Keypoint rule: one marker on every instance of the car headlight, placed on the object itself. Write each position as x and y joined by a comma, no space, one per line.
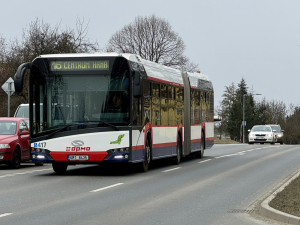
251,135
4,146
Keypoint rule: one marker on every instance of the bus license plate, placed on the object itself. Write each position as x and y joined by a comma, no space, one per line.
78,157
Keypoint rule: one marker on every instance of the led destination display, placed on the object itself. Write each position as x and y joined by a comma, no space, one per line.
91,65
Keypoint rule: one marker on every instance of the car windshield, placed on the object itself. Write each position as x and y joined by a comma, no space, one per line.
22,111
262,128
8,127
276,128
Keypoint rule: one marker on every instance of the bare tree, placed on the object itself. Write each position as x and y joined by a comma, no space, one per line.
2,49
39,38
153,39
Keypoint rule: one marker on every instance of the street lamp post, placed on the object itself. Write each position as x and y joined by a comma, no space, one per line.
244,122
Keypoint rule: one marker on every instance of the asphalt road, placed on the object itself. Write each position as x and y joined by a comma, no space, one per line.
222,188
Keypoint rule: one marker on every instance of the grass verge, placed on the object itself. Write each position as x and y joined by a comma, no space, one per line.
288,200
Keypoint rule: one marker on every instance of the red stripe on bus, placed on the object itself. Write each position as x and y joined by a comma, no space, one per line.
164,145
209,139
196,140
93,156
139,147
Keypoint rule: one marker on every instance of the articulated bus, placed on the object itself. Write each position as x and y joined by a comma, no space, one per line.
118,108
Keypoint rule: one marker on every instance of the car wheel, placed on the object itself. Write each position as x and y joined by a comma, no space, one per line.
16,160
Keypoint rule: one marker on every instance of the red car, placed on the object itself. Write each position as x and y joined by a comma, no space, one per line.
14,141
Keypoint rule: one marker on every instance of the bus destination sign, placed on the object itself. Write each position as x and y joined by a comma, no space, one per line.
90,65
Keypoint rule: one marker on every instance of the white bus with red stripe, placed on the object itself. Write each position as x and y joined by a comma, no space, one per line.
109,107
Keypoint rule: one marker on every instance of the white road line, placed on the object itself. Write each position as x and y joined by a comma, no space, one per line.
104,188
165,171
240,153
5,214
204,161
32,171
223,156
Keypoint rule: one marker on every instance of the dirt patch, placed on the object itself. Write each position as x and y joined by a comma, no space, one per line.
288,200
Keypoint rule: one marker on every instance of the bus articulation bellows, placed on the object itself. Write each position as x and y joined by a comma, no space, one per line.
91,108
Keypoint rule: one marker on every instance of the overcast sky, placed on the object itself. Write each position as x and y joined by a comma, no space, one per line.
258,40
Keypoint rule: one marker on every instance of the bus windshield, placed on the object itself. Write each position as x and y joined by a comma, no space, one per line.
81,97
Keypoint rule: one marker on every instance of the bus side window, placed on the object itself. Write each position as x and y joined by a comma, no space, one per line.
146,104
171,106
155,112
164,104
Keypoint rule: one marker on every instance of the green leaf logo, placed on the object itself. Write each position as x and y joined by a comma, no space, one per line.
119,139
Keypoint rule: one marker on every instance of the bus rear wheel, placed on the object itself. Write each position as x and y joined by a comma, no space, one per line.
59,167
200,153
176,160
147,156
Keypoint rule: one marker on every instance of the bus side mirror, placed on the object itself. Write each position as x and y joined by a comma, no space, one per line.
136,84
19,76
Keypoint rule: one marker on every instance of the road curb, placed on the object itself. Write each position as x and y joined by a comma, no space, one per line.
267,211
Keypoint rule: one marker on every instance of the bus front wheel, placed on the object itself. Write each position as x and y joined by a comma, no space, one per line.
59,167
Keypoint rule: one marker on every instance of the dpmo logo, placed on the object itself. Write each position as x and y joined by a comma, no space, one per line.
78,146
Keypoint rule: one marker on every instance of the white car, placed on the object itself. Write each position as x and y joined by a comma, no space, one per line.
262,134
278,132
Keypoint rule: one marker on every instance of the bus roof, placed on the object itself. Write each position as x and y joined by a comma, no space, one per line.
154,71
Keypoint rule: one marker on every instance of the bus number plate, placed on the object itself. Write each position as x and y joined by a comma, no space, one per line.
78,157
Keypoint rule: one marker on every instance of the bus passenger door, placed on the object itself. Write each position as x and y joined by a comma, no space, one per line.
187,115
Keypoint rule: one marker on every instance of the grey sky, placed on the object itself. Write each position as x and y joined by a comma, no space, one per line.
258,40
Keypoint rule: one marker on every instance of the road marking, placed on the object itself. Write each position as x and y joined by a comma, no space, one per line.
165,171
204,161
104,188
235,154
32,171
5,214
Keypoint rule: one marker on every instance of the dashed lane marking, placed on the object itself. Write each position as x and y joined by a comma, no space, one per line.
32,171
165,171
107,187
205,161
5,214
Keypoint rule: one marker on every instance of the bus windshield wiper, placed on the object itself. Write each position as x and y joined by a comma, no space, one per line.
59,130
108,124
